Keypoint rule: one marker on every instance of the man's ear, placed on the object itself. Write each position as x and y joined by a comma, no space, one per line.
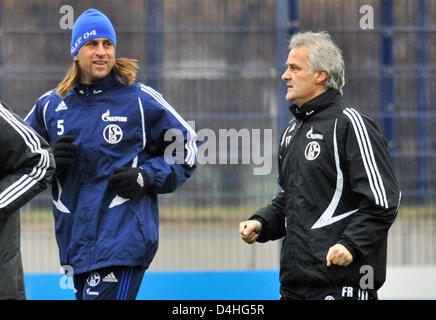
321,76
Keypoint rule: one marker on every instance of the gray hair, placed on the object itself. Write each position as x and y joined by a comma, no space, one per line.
323,55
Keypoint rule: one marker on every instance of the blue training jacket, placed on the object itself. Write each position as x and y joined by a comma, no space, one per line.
116,126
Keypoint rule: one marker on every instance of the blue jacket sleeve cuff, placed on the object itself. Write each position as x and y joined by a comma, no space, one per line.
150,174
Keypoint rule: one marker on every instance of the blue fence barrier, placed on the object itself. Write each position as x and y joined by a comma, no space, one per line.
214,285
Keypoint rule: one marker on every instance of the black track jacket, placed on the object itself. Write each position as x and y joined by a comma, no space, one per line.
26,168
338,187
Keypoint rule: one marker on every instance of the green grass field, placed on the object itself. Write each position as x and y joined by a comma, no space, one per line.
230,214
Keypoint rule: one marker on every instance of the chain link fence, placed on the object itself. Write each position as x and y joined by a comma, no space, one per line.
219,62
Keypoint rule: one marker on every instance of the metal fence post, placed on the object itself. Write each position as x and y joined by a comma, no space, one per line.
422,107
287,25
1,52
386,76
155,43
284,10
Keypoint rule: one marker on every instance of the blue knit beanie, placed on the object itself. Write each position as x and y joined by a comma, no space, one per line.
89,25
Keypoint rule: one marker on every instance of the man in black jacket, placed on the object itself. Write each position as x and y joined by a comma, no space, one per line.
339,192
26,168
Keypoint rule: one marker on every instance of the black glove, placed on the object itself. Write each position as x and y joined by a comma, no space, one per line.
64,151
129,182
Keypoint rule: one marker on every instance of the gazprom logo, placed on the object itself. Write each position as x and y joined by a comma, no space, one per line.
107,117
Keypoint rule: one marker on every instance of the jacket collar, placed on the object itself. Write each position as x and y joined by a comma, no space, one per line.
97,87
315,105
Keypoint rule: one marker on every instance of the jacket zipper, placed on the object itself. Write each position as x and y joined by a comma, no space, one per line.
292,164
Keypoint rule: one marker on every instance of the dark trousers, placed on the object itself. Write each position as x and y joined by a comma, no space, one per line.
111,283
327,293
11,267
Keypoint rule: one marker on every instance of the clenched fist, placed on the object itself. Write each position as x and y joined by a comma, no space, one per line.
339,255
249,230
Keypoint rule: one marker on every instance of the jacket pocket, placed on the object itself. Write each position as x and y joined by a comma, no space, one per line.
148,231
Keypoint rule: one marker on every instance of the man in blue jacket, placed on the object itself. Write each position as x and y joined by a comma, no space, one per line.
107,133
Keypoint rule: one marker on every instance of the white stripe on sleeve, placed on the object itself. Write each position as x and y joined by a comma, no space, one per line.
144,139
38,172
33,108
191,146
366,151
